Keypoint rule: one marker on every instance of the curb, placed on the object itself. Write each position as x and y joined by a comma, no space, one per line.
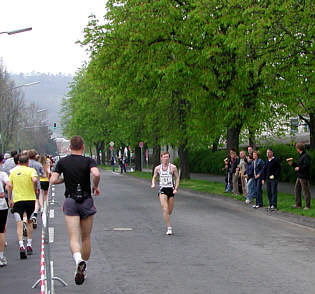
299,220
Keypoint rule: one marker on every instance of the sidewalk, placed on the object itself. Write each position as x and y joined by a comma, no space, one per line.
282,186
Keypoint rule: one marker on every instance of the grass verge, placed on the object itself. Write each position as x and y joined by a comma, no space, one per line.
285,201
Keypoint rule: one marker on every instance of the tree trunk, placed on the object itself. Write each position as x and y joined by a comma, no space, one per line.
138,158
98,158
215,144
233,136
183,161
156,157
252,138
312,131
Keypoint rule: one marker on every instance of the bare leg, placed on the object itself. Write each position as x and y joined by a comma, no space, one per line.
86,228
19,230
73,228
164,204
170,205
2,241
29,229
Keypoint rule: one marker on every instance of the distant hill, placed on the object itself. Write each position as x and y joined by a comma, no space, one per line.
47,94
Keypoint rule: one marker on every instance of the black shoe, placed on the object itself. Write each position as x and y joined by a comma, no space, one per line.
29,250
80,273
22,253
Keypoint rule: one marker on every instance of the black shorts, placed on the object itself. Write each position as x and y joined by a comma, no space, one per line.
3,219
83,210
44,186
24,206
167,191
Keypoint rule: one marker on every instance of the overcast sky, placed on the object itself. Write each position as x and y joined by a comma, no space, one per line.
50,47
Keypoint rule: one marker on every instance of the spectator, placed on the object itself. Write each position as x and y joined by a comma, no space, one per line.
9,163
271,174
241,169
250,150
112,162
250,181
302,169
258,170
233,170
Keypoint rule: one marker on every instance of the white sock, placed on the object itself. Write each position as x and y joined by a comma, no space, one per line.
77,257
29,242
21,244
1,254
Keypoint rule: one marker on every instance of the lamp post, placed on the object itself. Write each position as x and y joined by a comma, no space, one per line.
1,118
16,31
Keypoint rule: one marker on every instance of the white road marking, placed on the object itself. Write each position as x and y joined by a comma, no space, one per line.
52,213
118,229
51,232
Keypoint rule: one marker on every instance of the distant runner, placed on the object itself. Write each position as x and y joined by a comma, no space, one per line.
166,172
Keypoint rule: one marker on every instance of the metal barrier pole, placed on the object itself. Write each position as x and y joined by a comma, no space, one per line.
46,249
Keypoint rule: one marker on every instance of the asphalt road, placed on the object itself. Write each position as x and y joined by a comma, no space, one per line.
218,246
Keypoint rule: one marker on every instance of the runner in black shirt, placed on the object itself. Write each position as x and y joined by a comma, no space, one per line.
78,206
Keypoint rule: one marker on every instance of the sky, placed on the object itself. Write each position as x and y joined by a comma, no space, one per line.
50,46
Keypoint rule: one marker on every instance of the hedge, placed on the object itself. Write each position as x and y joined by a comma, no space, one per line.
206,161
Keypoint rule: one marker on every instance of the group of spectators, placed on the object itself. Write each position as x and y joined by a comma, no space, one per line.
247,173
24,186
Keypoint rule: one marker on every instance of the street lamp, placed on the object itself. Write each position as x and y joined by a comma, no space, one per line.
24,85
1,118
16,31
42,110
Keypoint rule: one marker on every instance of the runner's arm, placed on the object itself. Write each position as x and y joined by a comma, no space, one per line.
176,174
96,179
154,177
55,179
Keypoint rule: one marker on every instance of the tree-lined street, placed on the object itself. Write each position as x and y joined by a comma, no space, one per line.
218,246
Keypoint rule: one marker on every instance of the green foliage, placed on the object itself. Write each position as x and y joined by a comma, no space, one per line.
182,72
206,161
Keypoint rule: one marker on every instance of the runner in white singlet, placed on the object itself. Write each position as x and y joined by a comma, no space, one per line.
166,172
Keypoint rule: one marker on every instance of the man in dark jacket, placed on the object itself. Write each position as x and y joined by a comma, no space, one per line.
271,176
302,169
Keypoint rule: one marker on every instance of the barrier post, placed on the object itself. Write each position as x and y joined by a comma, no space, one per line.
46,277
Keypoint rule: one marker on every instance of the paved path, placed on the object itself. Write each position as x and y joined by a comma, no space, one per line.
220,246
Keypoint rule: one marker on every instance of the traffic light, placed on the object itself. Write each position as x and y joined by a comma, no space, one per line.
55,126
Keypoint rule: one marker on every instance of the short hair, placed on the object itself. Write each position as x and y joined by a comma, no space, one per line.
16,158
23,159
300,146
250,156
270,149
76,143
32,154
164,153
13,153
257,152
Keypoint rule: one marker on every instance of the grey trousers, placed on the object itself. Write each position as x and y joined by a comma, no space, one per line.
302,184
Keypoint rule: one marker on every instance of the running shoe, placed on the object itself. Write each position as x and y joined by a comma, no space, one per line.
169,231
22,253
34,221
29,250
3,261
80,273
24,229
